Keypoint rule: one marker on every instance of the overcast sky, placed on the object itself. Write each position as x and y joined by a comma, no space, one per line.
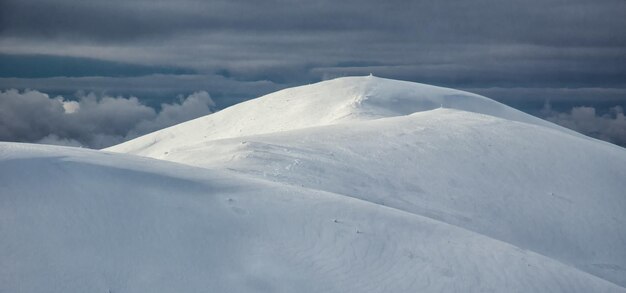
571,53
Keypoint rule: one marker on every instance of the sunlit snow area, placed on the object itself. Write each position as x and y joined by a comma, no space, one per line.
356,184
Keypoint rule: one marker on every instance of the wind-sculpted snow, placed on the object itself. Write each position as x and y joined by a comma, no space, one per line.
445,154
330,102
85,221
349,185
537,188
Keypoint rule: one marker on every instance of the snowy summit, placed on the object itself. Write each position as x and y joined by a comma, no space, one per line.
357,184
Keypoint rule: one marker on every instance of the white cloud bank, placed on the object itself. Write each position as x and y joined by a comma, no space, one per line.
610,127
101,121
90,121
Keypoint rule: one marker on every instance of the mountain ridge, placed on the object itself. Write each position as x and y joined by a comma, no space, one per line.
351,185
326,103
396,134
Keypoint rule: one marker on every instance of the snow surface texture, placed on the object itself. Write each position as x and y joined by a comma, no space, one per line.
356,184
331,102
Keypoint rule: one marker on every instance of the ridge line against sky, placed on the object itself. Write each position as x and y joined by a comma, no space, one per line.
571,54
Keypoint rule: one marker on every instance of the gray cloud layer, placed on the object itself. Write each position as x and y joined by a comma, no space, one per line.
456,43
90,121
152,89
562,22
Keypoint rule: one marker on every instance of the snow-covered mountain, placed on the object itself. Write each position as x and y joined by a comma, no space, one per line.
342,100
356,184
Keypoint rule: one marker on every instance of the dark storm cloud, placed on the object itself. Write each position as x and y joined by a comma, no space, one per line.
128,20
38,66
478,43
548,22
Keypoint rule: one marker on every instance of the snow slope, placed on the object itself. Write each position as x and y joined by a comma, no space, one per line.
475,163
330,102
350,185
77,220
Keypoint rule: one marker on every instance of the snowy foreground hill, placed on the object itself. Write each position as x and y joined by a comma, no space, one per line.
356,184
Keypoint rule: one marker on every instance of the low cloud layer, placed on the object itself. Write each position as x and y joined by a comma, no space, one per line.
90,120
152,90
98,121
610,126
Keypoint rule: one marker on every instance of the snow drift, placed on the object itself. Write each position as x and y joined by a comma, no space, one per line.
356,184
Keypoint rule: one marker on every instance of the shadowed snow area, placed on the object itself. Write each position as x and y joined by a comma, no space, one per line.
356,184
85,221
